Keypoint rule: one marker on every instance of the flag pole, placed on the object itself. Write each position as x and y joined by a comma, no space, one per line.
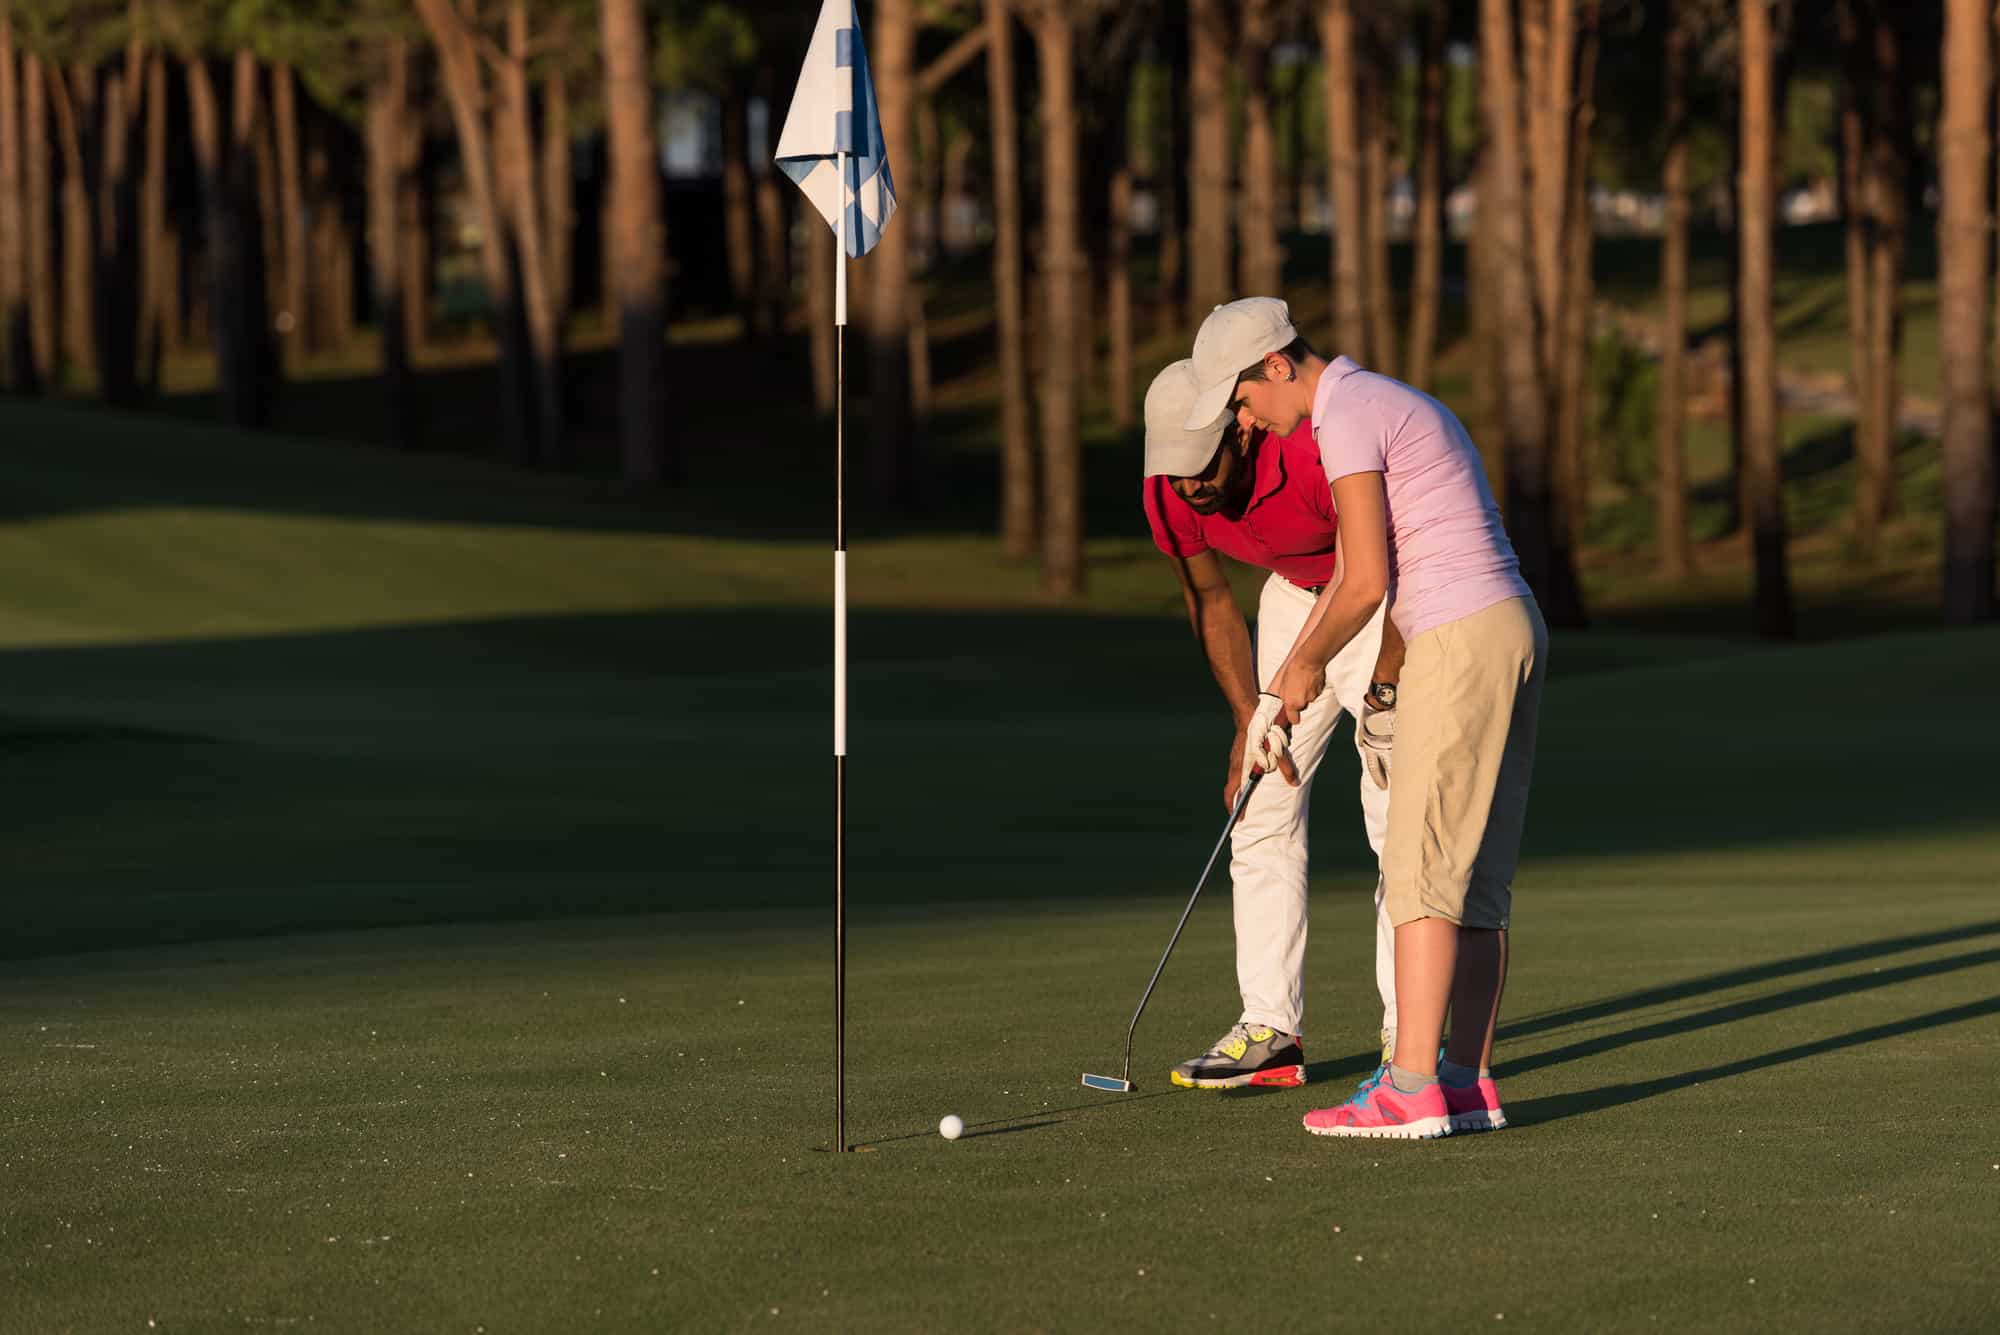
840,669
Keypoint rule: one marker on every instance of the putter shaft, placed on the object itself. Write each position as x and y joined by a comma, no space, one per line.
1235,814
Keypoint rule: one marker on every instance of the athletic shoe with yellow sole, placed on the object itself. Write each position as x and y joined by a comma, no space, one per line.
1249,1054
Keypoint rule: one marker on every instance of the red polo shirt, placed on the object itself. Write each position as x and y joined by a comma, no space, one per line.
1288,527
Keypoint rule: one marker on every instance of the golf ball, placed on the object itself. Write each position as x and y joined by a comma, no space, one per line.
952,1126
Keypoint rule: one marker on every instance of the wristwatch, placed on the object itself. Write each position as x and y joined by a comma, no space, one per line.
1383,693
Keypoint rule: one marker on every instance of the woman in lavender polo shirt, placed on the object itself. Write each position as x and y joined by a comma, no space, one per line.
1418,525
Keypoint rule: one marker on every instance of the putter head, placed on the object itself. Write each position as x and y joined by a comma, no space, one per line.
1107,1082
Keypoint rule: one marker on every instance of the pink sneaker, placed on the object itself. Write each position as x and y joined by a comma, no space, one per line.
1474,1107
1381,1111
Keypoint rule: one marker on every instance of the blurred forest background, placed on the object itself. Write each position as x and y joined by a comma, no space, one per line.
1710,280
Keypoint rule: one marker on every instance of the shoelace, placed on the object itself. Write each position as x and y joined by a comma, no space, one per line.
1235,1031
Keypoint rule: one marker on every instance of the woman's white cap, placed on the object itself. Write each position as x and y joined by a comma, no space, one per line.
1234,338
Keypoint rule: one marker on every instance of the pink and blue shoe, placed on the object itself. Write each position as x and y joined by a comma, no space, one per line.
1474,1107
1380,1111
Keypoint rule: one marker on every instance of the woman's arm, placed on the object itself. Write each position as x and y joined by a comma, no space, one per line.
1344,609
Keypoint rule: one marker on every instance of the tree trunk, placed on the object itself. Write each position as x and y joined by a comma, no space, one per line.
465,90
267,211
295,315
248,165
1964,316
114,275
1858,218
1573,364
1257,270
1292,202
1888,168
1175,303
1062,454
169,302
386,131
774,276
1344,173
1525,432
1380,296
154,295
892,459
1118,296
415,245
523,199
72,105
922,246
318,232
774,197
1209,156
1427,277
1763,479
14,331
1017,456
221,245
40,238
638,238
739,229
821,258
1482,313
1671,499
558,185
1548,48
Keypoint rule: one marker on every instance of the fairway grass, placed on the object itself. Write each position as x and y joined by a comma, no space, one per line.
1757,1104
417,897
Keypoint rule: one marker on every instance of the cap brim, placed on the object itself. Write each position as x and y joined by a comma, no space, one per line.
1210,405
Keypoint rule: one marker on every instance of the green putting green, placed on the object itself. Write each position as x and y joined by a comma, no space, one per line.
418,919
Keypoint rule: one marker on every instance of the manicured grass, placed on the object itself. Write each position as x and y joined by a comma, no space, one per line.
418,889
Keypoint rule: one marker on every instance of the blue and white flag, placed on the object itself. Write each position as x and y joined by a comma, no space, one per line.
833,112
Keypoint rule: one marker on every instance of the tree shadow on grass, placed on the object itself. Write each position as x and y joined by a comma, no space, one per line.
1557,1106
1729,978
1752,1008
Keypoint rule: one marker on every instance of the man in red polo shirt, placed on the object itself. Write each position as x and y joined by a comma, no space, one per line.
1264,500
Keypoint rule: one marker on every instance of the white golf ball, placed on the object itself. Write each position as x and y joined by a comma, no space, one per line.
952,1126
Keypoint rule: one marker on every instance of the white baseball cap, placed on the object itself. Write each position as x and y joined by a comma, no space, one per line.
1234,338
1171,448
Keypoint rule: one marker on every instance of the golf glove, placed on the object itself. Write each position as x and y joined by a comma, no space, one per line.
1375,730
1264,738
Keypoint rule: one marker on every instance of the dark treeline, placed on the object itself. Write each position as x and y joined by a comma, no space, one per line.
259,177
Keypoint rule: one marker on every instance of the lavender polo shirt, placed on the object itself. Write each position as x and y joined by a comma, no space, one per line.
1449,555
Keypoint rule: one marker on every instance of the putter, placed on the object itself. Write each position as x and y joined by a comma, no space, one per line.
1123,1084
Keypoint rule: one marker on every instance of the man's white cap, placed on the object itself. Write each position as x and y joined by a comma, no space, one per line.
1171,448
1234,338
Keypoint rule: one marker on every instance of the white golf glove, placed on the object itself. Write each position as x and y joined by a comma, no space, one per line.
1264,739
1375,730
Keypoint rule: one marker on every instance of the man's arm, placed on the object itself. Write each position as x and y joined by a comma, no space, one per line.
1220,629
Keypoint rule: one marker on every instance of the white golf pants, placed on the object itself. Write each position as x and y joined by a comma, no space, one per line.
1268,849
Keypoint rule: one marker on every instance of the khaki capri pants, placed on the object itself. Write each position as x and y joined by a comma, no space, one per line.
1467,709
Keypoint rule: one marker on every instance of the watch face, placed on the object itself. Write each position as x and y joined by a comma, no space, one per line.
1384,693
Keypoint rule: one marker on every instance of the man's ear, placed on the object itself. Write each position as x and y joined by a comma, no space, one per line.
1277,367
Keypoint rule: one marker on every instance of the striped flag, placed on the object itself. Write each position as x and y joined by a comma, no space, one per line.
833,112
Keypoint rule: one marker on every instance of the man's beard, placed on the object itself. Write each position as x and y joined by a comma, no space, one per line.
1207,501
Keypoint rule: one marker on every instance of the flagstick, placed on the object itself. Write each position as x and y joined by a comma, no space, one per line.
840,670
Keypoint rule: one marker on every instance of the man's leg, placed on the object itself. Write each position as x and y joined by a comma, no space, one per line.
1268,868
1269,847
1348,677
